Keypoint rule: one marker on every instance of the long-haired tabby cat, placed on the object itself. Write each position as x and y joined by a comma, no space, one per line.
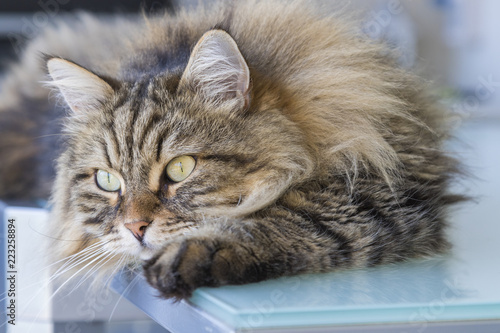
225,145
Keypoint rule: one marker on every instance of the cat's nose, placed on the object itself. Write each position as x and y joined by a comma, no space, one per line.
137,228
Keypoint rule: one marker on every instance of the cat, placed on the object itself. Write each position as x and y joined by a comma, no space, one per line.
226,144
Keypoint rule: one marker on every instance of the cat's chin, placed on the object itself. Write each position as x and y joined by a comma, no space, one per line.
147,254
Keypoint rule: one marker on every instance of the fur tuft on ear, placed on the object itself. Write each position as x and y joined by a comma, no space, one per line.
81,89
217,69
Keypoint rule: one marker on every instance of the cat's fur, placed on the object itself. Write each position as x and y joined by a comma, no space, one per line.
320,154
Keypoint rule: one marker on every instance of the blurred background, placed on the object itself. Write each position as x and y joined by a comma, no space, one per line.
453,43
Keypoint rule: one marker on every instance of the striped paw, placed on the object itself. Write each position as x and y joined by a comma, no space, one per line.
182,266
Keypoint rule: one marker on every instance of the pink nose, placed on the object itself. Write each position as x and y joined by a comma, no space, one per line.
138,229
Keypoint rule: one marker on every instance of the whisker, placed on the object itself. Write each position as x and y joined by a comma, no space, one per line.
72,257
55,276
118,266
77,261
65,282
55,134
81,261
127,289
52,264
100,256
60,239
63,269
94,269
84,252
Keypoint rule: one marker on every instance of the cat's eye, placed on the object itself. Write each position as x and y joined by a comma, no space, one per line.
107,181
180,168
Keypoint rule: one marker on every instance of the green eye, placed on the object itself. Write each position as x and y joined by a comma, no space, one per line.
107,181
180,168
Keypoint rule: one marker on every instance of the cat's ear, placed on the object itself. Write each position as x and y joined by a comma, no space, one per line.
217,69
82,89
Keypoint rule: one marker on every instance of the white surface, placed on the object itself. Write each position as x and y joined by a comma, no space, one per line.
31,292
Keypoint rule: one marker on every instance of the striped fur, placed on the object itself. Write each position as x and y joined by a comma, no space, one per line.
327,155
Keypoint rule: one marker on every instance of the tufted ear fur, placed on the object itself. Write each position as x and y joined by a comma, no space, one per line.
217,69
81,89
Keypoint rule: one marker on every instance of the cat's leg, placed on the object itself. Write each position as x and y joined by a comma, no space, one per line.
238,252
311,233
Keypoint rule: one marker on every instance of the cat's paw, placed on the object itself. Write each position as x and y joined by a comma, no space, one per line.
184,265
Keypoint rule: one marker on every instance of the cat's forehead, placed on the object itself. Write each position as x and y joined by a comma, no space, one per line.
140,131
147,89
147,105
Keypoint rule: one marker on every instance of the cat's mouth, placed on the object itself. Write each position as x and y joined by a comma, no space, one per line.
147,247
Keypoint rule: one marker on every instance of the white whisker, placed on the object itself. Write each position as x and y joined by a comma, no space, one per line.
75,264
92,270
122,260
99,257
130,285
68,259
55,276
82,252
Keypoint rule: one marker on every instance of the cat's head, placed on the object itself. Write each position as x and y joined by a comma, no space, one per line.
148,160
